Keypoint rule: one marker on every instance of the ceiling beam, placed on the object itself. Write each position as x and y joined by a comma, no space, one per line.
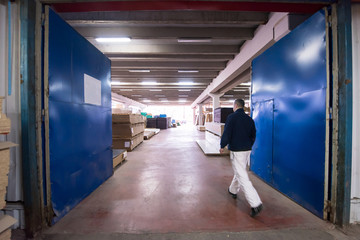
169,49
170,57
167,32
168,65
118,98
257,5
263,39
165,17
245,76
167,80
156,87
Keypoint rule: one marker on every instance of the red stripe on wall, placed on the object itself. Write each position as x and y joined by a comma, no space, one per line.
187,5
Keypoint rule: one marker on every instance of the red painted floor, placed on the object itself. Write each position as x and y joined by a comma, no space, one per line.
168,185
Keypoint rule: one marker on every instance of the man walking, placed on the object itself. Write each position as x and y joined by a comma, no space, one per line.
239,134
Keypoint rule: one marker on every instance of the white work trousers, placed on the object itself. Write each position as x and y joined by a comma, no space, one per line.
241,180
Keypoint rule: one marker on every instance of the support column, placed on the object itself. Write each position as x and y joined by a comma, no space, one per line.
342,104
216,102
29,125
345,112
201,114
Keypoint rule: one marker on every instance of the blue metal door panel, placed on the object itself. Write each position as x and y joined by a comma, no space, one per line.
263,115
293,73
80,134
299,148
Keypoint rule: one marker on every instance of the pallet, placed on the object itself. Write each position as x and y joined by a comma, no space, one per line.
119,156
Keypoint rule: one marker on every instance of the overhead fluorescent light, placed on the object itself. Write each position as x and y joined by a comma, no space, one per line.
183,95
188,71
113,40
182,100
146,100
115,83
185,83
241,90
139,70
184,90
149,83
126,90
228,95
136,95
164,101
155,90
194,40
245,84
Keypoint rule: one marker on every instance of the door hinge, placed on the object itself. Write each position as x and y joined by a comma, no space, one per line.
330,113
43,115
329,20
42,19
327,207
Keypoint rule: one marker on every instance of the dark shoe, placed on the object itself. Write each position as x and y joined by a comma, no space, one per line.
255,211
234,196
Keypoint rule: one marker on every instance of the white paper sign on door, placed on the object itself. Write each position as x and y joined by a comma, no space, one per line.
92,90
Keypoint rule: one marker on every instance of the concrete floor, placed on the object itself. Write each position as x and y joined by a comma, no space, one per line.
168,189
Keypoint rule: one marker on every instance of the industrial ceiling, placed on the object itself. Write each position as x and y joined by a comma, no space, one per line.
171,55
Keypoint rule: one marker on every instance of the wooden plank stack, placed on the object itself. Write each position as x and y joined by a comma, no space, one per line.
128,131
150,132
119,156
5,123
5,221
211,144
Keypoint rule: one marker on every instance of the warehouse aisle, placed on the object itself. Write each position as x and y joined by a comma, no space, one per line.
167,185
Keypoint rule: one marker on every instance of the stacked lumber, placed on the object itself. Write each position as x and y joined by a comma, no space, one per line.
5,221
150,132
119,156
5,123
128,131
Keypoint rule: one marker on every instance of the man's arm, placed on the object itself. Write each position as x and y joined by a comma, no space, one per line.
226,134
253,133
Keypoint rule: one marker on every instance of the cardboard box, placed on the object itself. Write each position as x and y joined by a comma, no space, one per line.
201,128
4,169
127,130
216,128
6,222
128,118
128,144
5,123
119,155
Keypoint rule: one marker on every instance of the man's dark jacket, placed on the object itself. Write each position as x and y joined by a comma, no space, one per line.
239,132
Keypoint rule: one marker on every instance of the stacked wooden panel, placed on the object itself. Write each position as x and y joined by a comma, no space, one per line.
128,130
5,123
119,156
5,221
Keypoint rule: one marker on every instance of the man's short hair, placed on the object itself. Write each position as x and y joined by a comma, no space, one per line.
240,103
